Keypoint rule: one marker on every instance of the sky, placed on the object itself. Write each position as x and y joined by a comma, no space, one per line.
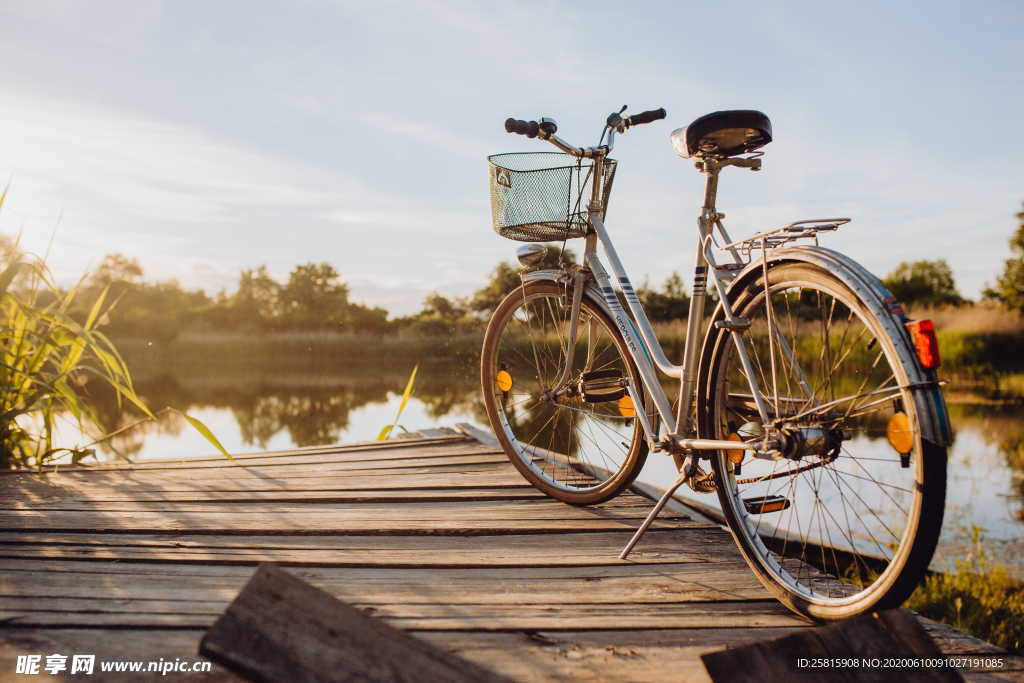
204,138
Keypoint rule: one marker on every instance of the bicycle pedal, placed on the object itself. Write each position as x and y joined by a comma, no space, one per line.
600,386
762,504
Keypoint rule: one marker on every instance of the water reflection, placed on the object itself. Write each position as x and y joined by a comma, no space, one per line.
989,446
305,409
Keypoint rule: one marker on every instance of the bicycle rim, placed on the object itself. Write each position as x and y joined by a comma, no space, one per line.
851,524
577,450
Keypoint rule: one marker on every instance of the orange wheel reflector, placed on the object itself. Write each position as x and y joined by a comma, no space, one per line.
735,456
504,380
626,407
900,436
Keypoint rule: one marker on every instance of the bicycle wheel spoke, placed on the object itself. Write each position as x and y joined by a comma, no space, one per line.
827,519
567,445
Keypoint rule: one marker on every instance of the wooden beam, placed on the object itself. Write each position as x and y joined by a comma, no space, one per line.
280,628
871,647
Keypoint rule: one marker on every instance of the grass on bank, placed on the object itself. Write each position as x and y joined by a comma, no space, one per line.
979,597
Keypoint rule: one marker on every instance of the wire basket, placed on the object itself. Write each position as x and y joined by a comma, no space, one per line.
543,196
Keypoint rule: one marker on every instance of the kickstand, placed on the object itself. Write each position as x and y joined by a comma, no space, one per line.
654,512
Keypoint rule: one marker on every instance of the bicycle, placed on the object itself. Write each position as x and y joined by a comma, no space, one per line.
813,397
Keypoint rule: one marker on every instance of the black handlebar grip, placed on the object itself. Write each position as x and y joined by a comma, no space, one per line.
645,117
527,128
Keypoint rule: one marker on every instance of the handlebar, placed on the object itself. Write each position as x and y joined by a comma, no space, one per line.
546,128
644,117
531,128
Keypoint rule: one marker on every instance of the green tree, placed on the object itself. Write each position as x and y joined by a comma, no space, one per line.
258,298
505,277
116,271
361,318
157,311
1009,287
314,297
153,311
116,268
924,283
9,249
439,306
671,303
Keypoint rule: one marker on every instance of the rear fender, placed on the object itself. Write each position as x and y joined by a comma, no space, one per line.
931,408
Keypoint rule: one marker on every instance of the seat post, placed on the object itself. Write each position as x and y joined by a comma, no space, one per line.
710,167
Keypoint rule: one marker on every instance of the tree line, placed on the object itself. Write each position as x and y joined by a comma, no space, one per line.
314,297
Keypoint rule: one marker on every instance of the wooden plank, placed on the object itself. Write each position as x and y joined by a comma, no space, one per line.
280,628
572,615
530,550
540,507
100,501
272,469
31,584
599,656
313,525
882,635
378,448
438,432
244,482
471,517
109,500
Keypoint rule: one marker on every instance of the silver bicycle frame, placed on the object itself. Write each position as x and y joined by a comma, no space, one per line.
649,357
639,335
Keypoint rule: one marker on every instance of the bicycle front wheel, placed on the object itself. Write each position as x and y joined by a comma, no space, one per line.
847,517
571,433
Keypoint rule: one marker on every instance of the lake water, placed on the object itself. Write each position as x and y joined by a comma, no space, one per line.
266,407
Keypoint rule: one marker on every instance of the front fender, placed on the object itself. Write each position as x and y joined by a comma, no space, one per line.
931,408
561,277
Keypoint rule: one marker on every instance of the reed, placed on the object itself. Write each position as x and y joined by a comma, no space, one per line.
47,356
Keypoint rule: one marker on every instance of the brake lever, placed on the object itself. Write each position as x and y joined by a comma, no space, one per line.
614,120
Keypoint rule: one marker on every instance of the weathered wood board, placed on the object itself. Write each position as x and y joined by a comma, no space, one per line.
437,536
281,628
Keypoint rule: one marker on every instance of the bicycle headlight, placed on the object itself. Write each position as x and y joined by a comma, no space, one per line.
678,138
531,254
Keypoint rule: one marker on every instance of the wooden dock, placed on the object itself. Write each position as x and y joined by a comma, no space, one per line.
437,535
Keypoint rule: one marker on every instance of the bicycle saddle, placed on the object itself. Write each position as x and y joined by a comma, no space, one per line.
723,133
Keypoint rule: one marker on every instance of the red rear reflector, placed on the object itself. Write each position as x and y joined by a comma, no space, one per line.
925,343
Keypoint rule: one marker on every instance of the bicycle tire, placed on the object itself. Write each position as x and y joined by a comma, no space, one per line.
831,564
576,451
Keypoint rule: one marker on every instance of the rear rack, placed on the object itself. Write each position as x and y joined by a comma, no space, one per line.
805,229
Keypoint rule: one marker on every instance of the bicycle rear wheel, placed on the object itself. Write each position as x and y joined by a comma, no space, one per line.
576,440
847,519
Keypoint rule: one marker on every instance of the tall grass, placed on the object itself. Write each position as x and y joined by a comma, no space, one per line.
46,358
979,597
985,318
